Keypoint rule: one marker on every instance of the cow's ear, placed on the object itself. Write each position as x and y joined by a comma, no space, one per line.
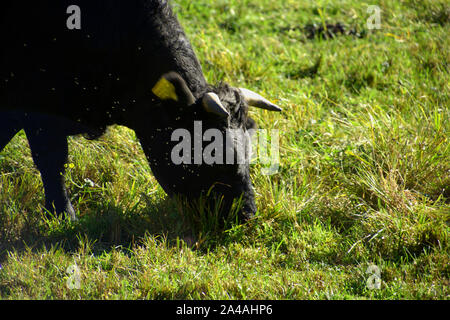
171,86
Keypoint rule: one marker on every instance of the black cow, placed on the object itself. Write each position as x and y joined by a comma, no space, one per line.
127,63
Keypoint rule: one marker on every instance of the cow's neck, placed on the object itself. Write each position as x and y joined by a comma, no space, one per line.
173,47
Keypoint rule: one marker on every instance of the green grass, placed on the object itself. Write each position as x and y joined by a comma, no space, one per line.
364,175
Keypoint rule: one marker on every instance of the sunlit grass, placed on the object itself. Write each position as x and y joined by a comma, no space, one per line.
363,178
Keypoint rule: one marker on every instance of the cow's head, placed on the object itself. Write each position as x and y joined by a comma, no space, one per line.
198,146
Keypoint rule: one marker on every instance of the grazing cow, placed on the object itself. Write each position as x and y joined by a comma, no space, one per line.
78,66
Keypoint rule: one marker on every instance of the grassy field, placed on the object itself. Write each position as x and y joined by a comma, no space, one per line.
362,190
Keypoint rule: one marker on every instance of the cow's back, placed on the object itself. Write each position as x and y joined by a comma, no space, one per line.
120,51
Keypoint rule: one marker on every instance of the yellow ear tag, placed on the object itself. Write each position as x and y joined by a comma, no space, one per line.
165,90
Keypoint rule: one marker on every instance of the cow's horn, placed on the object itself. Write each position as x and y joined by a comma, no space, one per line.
255,100
211,103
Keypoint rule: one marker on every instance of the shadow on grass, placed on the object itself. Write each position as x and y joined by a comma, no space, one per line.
108,227
104,227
